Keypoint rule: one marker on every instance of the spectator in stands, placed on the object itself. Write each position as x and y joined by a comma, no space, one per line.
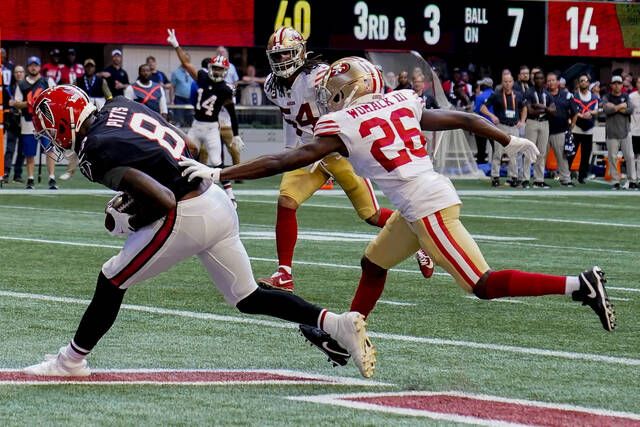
182,82
391,81
447,85
420,88
485,87
634,98
522,85
116,77
587,105
403,81
251,87
98,90
12,125
461,99
51,70
618,109
7,68
534,70
26,93
539,107
147,92
158,76
509,113
627,83
560,124
71,71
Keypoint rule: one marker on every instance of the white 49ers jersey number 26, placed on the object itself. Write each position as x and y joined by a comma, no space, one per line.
385,144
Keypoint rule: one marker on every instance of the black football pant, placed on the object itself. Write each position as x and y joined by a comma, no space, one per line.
586,142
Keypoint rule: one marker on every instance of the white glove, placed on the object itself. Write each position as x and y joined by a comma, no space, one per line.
195,169
522,145
121,222
238,143
172,39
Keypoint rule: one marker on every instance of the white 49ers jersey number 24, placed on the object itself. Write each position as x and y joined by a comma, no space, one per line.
385,144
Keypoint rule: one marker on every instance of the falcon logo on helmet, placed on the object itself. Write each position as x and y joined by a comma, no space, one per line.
218,68
58,114
286,51
351,80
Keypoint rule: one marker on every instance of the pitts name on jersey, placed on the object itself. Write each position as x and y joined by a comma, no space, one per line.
375,105
117,117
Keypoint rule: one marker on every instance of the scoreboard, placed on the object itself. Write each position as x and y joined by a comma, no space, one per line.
437,26
475,27
593,29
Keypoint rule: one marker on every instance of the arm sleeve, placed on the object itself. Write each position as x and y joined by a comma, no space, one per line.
231,109
113,177
163,101
128,92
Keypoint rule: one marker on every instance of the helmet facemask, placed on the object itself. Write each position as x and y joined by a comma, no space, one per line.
285,61
217,74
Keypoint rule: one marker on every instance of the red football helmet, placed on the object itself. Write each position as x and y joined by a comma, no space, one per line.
58,113
218,68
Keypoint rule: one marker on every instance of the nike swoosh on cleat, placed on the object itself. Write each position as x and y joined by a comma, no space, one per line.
591,294
330,350
284,282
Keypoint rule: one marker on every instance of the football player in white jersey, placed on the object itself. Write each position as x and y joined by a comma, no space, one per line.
381,136
292,86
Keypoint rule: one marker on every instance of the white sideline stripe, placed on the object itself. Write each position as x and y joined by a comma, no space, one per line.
403,304
260,259
332,193
392,337
337,401
619,299
340,399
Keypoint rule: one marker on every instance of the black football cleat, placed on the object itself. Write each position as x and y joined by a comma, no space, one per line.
593,294
338,356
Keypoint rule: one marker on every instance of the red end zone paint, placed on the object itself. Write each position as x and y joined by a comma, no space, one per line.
184,377
498,411
479,409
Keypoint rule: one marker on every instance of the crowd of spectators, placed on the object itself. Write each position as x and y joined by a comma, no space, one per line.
535,104
557,113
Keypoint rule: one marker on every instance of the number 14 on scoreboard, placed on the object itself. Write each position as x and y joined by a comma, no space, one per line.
588,33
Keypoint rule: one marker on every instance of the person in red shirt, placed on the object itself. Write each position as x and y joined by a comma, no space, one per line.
51,70
71,71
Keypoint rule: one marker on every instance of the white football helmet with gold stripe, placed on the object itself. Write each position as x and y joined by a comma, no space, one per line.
349,81
286,51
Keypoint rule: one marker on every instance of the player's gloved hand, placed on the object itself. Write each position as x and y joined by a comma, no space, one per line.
195,169
238,143
522,145
172,39
121,225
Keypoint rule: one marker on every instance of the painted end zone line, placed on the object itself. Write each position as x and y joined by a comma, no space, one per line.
476,409
186,377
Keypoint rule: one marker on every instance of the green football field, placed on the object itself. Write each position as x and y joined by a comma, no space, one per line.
431,336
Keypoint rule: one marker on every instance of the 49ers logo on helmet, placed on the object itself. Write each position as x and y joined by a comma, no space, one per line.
340,68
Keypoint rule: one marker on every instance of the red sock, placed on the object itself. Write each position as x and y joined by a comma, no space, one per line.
385,213
515,283
369,289
286,235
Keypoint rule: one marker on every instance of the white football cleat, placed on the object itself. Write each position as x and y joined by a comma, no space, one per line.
59,365
65,176
352,335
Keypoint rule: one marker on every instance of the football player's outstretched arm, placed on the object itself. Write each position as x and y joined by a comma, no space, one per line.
447,120
182,55
152,199
286,160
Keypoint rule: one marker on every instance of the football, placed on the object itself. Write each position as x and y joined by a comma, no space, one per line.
122,202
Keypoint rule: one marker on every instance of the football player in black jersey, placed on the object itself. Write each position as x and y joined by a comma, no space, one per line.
130,148
213,94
